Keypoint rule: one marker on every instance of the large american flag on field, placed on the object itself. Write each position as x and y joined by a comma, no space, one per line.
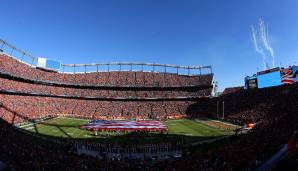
287,76
125,125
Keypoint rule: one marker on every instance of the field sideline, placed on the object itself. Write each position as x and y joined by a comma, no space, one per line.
192,130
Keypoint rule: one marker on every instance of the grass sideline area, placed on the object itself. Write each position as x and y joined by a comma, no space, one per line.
219,124
187,130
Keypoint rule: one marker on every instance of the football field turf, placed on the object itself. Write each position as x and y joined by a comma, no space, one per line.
70,128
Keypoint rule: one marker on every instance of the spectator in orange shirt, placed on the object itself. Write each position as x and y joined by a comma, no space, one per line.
292,145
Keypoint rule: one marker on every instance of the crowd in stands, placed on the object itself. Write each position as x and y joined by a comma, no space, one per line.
9,84
232,90
241,152
14,106
240,107
273,110
51,93
116,78
21,151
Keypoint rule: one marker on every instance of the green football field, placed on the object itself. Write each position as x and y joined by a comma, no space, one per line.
189,130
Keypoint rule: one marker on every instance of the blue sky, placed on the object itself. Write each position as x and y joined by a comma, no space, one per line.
182,32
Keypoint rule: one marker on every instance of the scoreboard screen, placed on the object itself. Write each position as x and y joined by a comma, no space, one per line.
48,64
269,79
251,82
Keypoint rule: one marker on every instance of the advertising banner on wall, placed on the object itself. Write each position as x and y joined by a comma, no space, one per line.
48,64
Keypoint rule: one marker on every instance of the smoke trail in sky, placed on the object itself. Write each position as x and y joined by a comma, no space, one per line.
261,42
265,40
257,48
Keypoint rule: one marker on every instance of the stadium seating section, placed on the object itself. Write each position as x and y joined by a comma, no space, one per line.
31,93
274,110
